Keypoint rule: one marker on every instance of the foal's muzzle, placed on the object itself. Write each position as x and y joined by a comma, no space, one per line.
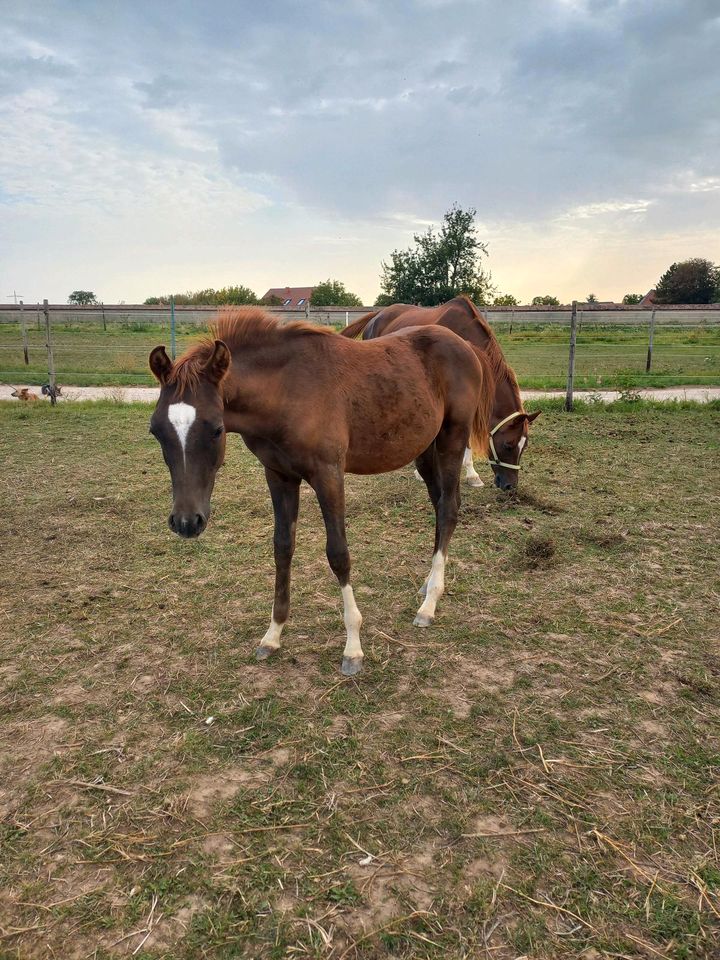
187,525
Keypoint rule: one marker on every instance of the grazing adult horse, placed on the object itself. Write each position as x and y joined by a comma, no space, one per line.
312,406
508,435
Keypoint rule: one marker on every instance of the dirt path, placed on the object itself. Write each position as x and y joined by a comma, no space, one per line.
150,394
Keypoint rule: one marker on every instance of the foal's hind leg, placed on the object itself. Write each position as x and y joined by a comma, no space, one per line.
330,489
440,467
285,494
426,470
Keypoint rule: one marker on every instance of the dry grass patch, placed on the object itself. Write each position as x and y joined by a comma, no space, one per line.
535,776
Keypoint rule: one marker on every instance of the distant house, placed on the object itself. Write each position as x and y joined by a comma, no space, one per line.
649,299
291,298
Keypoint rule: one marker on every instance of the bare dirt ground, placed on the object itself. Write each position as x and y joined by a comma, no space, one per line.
535,776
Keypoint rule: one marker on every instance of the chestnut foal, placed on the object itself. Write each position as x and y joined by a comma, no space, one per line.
312,406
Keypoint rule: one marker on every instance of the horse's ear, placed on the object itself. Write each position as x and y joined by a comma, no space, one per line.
219,362
533,416
160,364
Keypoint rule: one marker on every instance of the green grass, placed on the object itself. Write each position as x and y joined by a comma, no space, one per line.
611,357
607,357
535,775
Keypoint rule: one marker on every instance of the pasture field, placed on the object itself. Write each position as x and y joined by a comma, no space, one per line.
607,356
534,776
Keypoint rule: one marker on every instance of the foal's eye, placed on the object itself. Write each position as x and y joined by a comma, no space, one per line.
219,431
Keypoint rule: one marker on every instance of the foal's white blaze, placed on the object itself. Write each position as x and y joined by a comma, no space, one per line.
521,444
435,588
182,417
353,619
272,637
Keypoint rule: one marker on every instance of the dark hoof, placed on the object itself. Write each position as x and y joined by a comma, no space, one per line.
351,666
262,653
422,621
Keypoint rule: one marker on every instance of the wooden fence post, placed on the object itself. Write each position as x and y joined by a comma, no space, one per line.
172,328
24,333
51,358
571,358
648,363
102,307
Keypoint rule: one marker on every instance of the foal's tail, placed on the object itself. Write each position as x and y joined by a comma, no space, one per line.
480,430
359,325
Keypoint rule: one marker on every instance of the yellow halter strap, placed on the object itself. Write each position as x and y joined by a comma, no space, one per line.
495,460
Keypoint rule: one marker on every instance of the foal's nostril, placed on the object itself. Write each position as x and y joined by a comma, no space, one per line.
171,522
199,522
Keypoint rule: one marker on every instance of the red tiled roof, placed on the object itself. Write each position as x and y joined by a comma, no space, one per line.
292,294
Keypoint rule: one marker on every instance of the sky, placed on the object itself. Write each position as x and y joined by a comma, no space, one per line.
150,148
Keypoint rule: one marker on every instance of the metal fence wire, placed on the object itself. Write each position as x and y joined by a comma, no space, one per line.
616,347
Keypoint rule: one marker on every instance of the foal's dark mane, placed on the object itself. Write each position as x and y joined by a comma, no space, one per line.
238,327
494,355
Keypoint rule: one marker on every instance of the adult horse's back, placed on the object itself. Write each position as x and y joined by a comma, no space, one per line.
311,406
508,436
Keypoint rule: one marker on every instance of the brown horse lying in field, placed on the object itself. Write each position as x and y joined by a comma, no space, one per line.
509,422
312,406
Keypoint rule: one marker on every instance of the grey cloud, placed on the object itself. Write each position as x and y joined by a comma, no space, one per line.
23,73
162,91
363,108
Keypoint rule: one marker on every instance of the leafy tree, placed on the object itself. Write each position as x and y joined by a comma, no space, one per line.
691,281
632,298
332,293
546,301
591,298
505,300
440,265
384,300
238,295
209,297
82,297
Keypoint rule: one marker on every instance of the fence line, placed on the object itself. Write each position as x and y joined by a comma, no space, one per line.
582,346
605,314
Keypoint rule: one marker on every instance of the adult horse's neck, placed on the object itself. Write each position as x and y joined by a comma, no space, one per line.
507,390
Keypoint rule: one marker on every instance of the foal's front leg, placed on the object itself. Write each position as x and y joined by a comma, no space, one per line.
285,494
330,489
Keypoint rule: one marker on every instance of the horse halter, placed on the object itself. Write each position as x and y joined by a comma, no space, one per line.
495,461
